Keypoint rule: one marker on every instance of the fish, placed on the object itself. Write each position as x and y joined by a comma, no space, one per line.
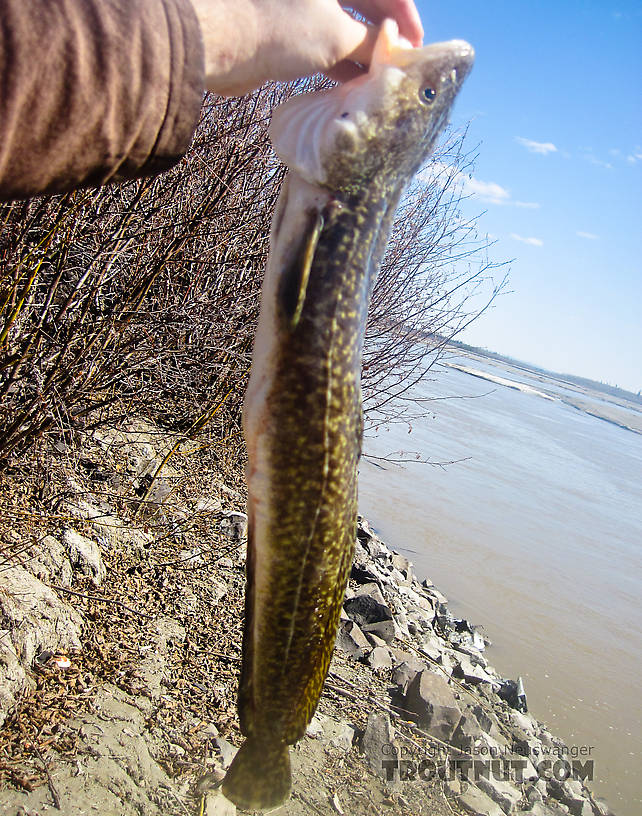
350,152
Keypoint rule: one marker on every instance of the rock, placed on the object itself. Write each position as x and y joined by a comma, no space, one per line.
525,722
234,526
51,563
380,658
381,747
374,640
444,618
467,732
404,567
226,750
335,732
33,619
476,801
432,647
372,589
512,691
84,554
436,596
488,722
402,622
569,793
431,699
465,670
351,640
540,809
363,575
217,805
365,609
208,504
408,666
473,654
386,630
505,794
412,597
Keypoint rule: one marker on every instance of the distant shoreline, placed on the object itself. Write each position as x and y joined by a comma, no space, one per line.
608,403
572,380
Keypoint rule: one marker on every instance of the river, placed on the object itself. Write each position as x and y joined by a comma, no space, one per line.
535,532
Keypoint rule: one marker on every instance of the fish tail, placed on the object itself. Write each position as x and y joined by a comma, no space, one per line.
260,776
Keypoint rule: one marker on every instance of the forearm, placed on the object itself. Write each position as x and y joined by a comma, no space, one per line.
95,90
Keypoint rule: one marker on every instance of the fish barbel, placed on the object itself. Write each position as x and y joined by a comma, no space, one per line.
350,152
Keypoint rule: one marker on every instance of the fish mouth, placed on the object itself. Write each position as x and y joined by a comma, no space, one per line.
391,49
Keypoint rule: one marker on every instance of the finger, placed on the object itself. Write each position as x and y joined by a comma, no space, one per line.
404,12
353,41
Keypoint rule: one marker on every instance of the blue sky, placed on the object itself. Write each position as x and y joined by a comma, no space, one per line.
555,101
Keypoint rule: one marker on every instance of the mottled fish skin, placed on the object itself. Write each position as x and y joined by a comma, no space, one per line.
302,412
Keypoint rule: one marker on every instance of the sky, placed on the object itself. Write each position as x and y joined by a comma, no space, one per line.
555,104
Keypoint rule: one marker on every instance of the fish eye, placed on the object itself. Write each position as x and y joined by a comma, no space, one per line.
427,94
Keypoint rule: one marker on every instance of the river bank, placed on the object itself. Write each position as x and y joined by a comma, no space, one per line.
121,597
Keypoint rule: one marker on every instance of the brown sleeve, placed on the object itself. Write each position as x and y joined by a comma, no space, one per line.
95,90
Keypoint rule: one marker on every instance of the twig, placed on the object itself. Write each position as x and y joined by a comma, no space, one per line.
222,654
103,600
52,788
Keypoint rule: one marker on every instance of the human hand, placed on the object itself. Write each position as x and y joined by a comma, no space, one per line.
248,42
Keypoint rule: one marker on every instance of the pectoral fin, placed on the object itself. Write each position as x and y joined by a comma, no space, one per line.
295,276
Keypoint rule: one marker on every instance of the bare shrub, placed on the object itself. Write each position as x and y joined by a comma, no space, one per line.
142,298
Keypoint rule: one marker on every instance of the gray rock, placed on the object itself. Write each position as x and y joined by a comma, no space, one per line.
51,562
476,801
226,750
431,699
33,620
386,630
363,574
374,591
84,555
408,666
488,722
365,609
380,658
335,732
234,526
217,805
436,596
414,598
467,732
570,793
505,794
432,647
466,670
351,640
380,746
374,640
402,622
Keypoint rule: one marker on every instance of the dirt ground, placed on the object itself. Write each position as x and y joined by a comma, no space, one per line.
141,719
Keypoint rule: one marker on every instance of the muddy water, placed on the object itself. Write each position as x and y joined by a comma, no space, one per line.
537,535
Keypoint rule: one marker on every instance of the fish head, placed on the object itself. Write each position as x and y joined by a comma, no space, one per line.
381,125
